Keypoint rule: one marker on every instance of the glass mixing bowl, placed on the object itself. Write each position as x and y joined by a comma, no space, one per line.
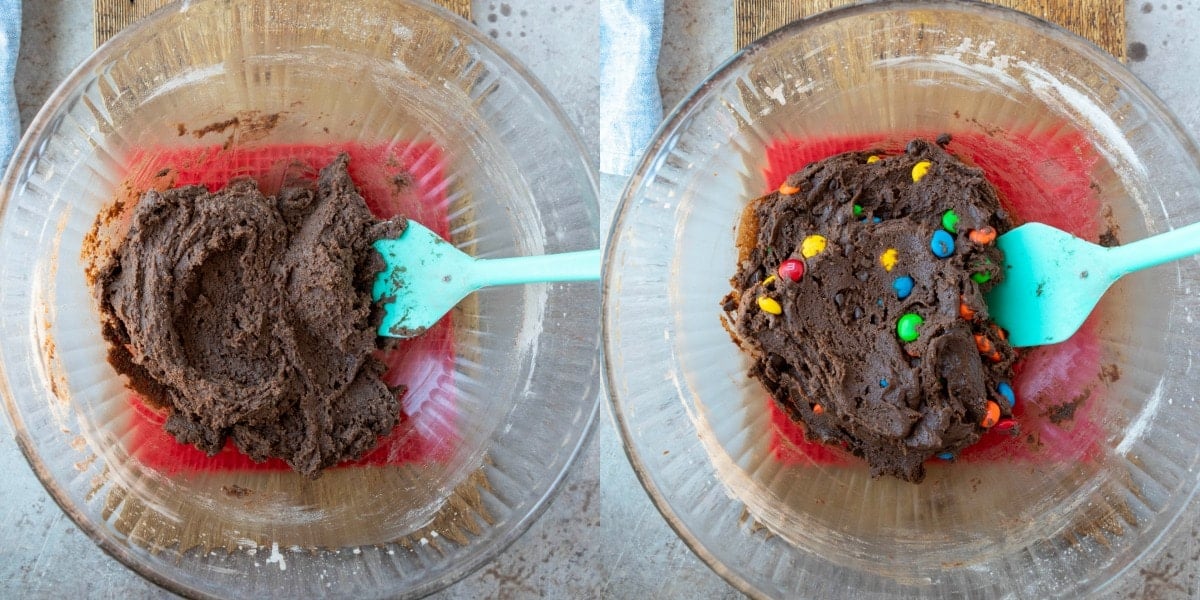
437,119
1109,445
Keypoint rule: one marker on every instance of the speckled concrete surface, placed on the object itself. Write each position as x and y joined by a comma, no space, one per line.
697,38
642,555
44,555
645,557
601,537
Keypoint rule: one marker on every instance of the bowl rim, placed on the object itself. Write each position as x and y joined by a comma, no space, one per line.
67,91
676,119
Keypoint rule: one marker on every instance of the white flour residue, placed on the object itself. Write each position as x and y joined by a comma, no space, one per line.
1069,99
972,64
965,46
1135,431
776,94
977,75
277,557
804,87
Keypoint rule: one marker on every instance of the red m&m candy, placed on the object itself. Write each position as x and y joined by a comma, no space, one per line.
791,269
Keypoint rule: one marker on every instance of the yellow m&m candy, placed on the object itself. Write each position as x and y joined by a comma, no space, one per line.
769,305
812,246
888,259
920,169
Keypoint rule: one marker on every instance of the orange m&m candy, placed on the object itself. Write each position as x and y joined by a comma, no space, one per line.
992,416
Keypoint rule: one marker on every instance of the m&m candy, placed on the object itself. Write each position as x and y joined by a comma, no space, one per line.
906,327
942,244
986,348
992,416
920,169
982,236
965,311
950,221
888,259
1006,390
903,286
791,269
769,305
812,246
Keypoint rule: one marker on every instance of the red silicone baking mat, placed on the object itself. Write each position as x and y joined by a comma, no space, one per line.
401,179
1041,176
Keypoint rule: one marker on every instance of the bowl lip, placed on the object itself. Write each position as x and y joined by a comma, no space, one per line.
675,120
67,91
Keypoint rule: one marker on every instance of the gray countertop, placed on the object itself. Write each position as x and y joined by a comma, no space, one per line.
43,554
644,556
601,536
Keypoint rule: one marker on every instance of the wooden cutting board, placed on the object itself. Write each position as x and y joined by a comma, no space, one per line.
1101,21
114,15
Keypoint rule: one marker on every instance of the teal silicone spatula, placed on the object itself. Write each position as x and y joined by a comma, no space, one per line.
425,276
1053,280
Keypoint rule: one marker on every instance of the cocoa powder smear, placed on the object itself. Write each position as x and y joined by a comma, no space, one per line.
828,345
250,317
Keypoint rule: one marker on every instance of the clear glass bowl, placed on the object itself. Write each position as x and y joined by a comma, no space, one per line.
1096,477
501,422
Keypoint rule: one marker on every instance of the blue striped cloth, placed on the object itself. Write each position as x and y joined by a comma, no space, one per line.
630,102
10,43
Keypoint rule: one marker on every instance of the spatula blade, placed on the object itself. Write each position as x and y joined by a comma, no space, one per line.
1052,281
423,280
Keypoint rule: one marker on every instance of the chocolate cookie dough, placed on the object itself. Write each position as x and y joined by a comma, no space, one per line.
250,317
859,297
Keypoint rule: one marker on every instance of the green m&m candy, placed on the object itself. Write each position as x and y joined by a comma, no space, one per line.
950,221
906,327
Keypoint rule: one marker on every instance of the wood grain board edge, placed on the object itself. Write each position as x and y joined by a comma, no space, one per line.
111,16
1101,21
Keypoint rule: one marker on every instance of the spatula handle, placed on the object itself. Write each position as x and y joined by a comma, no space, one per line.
568,266
1156,250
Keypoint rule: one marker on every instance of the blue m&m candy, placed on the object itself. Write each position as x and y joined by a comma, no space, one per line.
903,286
942,244
1007,391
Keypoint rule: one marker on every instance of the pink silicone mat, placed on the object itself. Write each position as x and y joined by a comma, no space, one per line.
404,179
1041,176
